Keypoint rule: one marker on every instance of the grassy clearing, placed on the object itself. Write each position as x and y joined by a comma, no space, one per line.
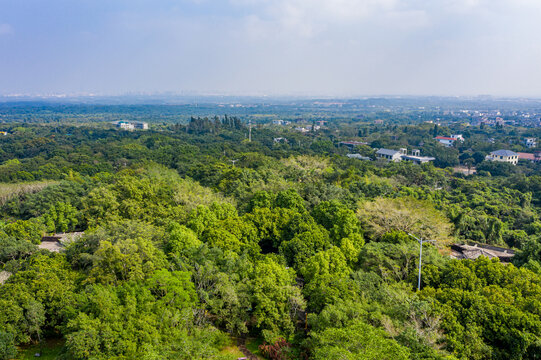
9,191
232,349
49,350
252,344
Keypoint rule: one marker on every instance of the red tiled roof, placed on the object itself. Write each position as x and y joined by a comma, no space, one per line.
444,138
526,156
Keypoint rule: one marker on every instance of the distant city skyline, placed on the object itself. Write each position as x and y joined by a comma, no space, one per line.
335,48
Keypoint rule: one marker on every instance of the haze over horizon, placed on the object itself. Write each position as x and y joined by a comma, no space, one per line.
272,47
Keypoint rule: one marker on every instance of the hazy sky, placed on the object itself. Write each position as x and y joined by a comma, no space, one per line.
308,47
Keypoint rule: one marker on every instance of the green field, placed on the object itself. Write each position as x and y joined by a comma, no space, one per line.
48,350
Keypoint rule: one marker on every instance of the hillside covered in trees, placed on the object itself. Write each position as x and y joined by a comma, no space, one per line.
193,240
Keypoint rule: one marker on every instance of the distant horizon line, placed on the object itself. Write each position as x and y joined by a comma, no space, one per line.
305,96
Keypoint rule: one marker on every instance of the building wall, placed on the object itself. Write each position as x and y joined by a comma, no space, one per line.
510,159
447,143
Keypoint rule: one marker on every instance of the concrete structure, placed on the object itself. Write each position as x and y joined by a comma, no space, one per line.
418,159
140,125
507,156
415,156
56,242
51,244
389,155
358,156
472,252
530,142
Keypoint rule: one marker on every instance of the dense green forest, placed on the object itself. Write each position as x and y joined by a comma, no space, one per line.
196,240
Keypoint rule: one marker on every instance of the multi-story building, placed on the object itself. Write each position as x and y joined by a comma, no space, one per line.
389,155
507,156
124,125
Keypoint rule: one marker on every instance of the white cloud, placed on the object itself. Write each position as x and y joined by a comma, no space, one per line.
5,29
308,18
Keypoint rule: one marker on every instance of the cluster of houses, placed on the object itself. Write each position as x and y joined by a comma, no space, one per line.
507,156
126,125
389,154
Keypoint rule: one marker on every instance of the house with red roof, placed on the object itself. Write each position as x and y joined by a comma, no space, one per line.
449,140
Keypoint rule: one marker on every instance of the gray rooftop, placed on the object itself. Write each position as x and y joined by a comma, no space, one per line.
387,152
504,153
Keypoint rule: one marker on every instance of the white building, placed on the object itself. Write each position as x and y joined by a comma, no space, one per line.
530,142
416,157
394,155
449,140
445,140
503,156
389,155
124,125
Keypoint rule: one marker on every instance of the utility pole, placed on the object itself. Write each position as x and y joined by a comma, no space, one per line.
421,242
250,131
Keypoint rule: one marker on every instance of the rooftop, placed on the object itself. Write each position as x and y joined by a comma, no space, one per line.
445,138
476,250
527,156
387,152
504,153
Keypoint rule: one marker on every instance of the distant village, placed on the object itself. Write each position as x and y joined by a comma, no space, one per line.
492,119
